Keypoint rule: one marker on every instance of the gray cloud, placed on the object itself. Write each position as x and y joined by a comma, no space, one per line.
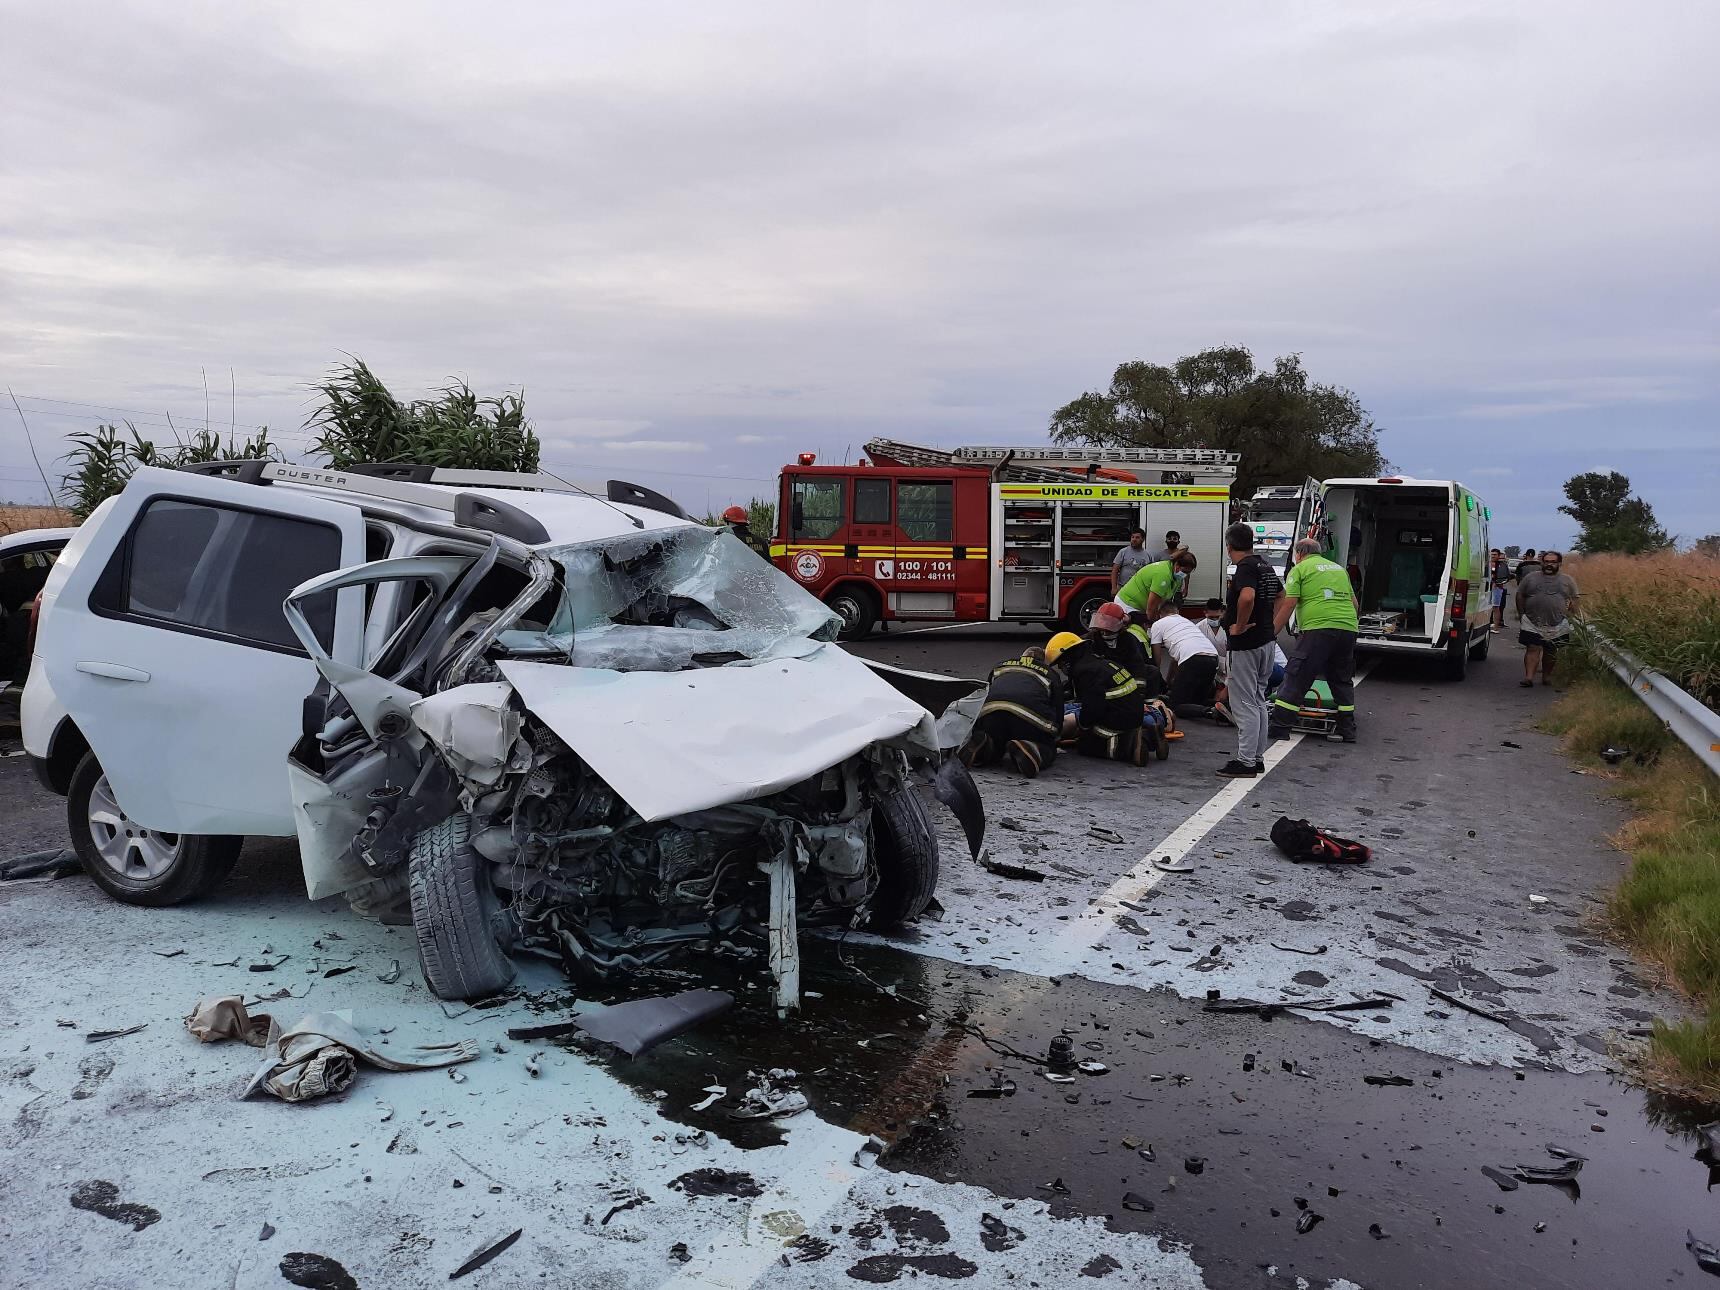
749,231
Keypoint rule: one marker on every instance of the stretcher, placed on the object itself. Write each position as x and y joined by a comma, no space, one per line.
1318,714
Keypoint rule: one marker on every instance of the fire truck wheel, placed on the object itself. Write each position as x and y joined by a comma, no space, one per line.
857,610
1081,609
906,850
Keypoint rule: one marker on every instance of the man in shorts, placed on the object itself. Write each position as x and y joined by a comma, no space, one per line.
1546,599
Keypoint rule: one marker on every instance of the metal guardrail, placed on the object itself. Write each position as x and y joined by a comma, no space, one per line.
1697,725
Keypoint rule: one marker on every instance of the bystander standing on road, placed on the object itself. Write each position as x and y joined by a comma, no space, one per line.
1319,593
1130,560
1546,600
1248,614
1525,564
1173,544
1499,574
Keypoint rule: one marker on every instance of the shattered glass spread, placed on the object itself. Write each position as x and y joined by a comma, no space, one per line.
667,600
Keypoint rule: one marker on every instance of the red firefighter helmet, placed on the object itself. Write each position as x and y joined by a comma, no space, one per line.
735,515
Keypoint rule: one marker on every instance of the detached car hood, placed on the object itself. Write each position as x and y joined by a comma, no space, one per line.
675,742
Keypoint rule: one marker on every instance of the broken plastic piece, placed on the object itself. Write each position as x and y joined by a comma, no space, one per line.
1164,865
1389,1081
870,1152
1003,869
1537,900
1137,1202
643,1024
770,1098
1003,1088
97,1036
1093,1068
714,1094
1308,1221
1104,834
1057,1077
484,1255
1707,1257
1505,1181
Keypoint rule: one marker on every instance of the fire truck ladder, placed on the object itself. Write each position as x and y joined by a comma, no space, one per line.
1053,465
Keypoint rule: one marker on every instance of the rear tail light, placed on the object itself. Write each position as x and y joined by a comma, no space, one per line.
1459,602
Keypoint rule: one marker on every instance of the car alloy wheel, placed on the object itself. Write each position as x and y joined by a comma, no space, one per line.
124,846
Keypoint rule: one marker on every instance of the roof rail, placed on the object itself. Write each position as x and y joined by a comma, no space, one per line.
248,470
638,495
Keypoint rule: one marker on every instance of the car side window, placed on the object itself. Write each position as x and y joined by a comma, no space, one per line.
220,571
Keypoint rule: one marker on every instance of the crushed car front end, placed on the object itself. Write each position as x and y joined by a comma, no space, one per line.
653,749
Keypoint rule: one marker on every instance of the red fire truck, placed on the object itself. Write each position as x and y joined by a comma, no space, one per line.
988,534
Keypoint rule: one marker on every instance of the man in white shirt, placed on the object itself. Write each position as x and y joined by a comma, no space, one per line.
1189,662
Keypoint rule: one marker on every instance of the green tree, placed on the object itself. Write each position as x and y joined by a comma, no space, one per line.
1512,552
1285,426
1709,545
361,421
103,459
1611,518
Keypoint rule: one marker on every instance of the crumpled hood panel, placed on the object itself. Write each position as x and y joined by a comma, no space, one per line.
675,742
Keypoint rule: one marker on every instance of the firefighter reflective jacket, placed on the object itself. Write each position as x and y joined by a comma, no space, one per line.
1110,694
1028,690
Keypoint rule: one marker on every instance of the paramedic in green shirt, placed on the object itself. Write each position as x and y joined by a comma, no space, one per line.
1319,592
1157,585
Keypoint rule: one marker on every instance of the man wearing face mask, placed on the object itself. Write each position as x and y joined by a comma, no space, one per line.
1546,599
1158,586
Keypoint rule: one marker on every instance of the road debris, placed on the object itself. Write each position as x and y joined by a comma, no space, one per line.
213,1020
100,1036
41,864
771,1097
489,1252
1003,869
1297,949
392,975
1057,1077
1093,1068
1707,1257
1389,1081
1105,835
714,1093
870,1152
640,1025
999,1087
1305,844
1537,900
1137,1202
1164,864
168,954
1504,1180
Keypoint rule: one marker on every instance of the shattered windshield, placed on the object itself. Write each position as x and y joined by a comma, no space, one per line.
666,600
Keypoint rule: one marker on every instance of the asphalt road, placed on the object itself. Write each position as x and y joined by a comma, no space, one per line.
1193,1160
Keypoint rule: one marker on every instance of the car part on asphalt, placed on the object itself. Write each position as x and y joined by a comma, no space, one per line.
1389,1081
100,1036
486,1253
1303,843
773,1096
41,864
638,1026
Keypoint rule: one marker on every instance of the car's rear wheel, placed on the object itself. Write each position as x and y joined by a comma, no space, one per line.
1456,662
1478,653
131,863
905,848
456,915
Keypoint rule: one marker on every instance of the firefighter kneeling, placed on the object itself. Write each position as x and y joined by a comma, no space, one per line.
1109,674
1021,718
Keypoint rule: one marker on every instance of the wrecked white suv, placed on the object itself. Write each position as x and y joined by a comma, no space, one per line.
523,720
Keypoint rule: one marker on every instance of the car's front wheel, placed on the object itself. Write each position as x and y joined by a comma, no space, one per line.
456,914
131,863
905,848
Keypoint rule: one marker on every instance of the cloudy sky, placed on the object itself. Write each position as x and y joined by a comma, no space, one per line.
706,237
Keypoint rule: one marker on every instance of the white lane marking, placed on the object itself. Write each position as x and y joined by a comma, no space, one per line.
1142,877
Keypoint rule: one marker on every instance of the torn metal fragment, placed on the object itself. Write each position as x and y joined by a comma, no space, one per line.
97,1036
640,1025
